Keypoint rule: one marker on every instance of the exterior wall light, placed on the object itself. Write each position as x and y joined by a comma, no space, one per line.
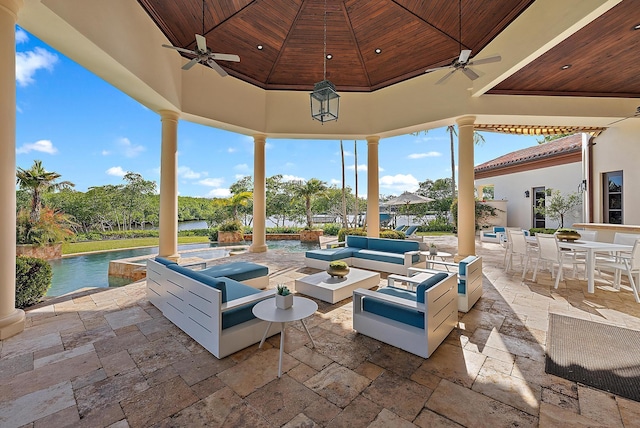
526,194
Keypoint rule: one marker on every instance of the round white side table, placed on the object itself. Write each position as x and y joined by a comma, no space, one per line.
267,311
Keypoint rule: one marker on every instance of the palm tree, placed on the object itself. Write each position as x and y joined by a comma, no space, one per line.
238,200
307,190
37,181
478,139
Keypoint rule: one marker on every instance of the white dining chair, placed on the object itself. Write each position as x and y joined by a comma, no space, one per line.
519,247
549,252
588,235
629,264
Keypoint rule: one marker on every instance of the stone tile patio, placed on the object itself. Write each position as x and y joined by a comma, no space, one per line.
107,358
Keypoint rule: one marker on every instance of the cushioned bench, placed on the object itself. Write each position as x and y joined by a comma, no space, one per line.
216,311
248,273
492,235
416,321
380,254
469,280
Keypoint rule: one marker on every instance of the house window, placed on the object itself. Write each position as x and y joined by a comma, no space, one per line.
538,200
612,197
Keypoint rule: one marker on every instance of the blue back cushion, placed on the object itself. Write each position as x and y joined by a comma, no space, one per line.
236,290
393,245
427,284
164,261
208,280
239,271
497,229
357,241
462,269
392,310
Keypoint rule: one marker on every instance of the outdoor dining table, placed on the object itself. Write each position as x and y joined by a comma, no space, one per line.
590,248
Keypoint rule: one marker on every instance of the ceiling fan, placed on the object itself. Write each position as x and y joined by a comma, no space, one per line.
636,114
203,54
462,62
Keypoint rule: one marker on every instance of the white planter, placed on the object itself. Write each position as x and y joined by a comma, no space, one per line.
433,251
284,302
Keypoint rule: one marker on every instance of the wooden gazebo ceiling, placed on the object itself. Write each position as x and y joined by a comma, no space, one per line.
413,35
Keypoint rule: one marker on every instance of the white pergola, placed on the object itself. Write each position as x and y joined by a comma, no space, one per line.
118,41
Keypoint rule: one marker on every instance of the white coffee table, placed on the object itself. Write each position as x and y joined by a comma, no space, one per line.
442,254
267,311
330,289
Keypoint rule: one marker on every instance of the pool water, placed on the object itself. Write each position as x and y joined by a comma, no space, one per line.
92,270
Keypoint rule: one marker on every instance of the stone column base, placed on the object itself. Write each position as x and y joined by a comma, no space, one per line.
12,324
258,248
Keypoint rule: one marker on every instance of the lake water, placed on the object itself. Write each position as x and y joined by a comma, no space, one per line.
92,270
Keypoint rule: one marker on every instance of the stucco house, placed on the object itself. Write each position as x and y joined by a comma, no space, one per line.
522,179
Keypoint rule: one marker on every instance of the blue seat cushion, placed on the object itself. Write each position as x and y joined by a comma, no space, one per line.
236,290
357,241
205,279
427,284
239,271
489,234
329,254
394,311
379,256
393,245
498,229
164,261
462,270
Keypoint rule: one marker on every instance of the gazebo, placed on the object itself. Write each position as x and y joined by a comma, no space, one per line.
567,65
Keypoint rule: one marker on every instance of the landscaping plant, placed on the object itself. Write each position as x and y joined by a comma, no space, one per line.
33,279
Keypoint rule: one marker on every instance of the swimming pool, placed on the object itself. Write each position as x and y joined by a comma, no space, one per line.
92,270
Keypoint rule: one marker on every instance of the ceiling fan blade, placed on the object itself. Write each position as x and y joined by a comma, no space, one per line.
202,43
179,49
446,77
190,64
464,56
470,73
216,67
225,57
488,60
437,68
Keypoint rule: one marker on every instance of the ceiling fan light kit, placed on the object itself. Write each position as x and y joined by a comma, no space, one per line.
462,63
203,54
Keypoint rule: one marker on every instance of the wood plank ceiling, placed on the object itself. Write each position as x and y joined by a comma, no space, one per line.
412,35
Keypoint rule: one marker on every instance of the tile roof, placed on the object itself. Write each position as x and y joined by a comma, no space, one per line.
561,146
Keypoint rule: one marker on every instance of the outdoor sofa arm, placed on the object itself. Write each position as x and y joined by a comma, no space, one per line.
359,293
254,298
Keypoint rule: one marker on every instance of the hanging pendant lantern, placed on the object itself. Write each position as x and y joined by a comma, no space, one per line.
325,101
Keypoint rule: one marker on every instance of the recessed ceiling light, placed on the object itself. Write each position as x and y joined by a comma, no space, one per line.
565,67
329,56
636,27
378,51
260,47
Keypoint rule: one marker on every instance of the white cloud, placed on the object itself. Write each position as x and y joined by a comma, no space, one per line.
334,181
287,177
241,167
240,176
189,174
44,146
424,155
219,193
212,182
27,63
399,182
346,153
116,171
361,167
21,36
232,150
129,149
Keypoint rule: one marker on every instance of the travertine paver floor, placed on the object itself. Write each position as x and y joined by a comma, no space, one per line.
107,358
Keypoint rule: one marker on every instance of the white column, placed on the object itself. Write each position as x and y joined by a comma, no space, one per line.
169,186
466,199
373,188
258,244
11,319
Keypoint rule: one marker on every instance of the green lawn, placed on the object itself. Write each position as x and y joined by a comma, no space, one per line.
434,233
117,244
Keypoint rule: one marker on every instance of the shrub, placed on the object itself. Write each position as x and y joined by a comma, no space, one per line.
331,229
230,226
392,234
438,224
33,279
52,227
213,234
535,230
194,232
283,229
342,234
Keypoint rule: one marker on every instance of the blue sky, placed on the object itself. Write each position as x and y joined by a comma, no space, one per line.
92,134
